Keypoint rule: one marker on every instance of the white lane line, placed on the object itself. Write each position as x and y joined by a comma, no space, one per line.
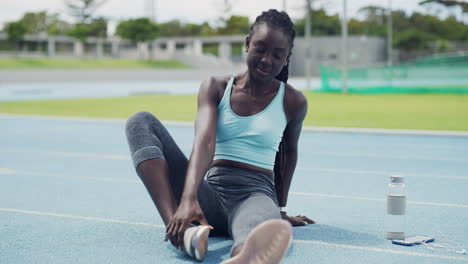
91,156
87,218
380,250
340,154
108,220
320,144
384,131
386,173
127,157
7,171
305,128
56,175
375,199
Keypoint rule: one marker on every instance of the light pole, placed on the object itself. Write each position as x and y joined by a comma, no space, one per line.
149,10
389,34
308,46
344,50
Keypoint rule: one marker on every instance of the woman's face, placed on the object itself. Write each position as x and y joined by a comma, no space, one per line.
267,52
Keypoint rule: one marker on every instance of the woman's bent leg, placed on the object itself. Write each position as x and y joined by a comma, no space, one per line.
162,167
158,160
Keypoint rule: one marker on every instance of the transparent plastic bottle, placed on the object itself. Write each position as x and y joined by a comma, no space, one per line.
395,222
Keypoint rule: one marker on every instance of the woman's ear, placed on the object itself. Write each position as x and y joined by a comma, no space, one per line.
287,59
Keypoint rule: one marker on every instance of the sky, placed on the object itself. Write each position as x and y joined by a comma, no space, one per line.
194,11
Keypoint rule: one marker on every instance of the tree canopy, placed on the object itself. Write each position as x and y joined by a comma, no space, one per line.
15,30
83,10
138,30
410,31
42,22
96,28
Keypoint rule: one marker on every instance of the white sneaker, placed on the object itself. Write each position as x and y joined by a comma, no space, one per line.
266,244
196,241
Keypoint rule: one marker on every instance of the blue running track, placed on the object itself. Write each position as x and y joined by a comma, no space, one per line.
69,194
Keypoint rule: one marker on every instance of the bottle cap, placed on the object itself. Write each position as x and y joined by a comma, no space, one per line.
397,179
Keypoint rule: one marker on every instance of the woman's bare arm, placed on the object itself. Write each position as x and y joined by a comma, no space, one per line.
202,155
296,110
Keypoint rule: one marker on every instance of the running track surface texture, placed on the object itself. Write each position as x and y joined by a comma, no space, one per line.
69,194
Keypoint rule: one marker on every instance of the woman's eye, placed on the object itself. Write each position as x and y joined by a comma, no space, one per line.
260,50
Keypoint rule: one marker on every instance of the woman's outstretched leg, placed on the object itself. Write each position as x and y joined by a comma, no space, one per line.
259,233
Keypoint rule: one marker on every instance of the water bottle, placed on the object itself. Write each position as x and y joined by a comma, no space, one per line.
395,221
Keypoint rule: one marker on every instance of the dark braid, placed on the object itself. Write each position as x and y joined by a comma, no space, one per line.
279,20
279,164
284,74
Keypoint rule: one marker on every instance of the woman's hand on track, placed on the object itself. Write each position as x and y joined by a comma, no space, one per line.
298,220
186,213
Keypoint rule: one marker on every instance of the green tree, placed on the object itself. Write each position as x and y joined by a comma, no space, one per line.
225,9
413,39
83,10
87,25
400,20
35,22
448,3
170,28
137,30
41,22
207,30
56,26
176,28
356,27
97,28
376,19
15,31
322,24
235,25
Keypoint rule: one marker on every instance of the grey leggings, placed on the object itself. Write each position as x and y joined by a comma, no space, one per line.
233,200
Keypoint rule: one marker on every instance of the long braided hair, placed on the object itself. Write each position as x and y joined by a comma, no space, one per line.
281,21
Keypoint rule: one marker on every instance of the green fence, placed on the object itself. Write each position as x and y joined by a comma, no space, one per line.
437,73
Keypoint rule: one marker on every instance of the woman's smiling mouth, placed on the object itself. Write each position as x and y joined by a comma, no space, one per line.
261,71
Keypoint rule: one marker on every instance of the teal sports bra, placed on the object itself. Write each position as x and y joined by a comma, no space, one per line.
250,139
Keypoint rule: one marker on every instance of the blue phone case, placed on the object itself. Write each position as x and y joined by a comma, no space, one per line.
409,244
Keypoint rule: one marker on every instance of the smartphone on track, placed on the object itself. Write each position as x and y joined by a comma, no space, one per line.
413,240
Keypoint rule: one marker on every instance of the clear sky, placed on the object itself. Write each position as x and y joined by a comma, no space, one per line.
195,11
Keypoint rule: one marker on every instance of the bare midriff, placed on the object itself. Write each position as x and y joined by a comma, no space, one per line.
236,164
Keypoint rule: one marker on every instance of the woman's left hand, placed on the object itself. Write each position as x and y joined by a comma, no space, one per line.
299,220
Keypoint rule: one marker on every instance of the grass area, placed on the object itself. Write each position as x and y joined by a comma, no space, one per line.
397,111
57,63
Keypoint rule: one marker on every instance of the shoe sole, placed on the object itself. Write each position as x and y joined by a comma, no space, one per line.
200,242
266,244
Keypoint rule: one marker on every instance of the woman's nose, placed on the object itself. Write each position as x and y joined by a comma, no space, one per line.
267,59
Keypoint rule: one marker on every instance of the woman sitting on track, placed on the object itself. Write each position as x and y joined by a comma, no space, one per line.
240,123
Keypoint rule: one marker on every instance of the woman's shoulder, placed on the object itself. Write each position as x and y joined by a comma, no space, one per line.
293,96
215,85
295,102
216,82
